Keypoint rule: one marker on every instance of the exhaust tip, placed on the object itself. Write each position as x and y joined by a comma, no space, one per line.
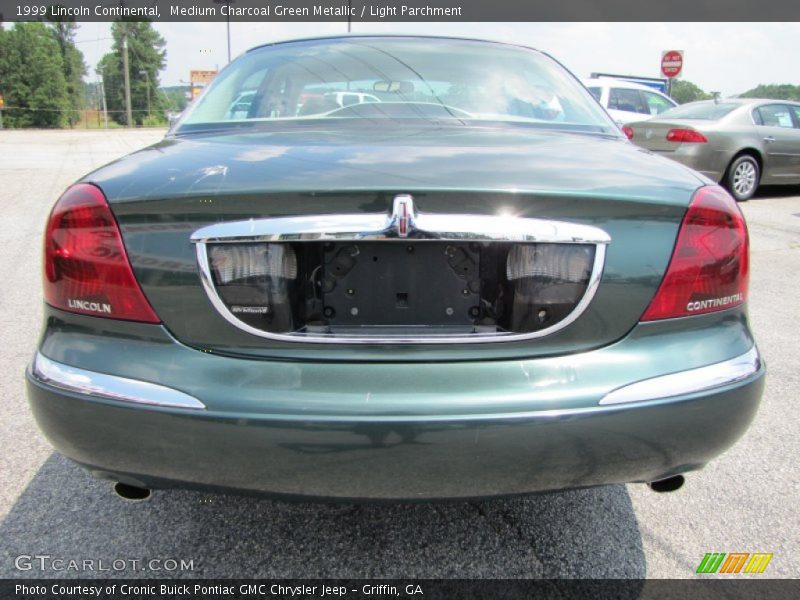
131,492
670,484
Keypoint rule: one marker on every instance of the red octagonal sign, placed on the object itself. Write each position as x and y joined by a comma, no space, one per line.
672,63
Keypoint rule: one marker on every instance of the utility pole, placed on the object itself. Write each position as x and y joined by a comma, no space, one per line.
126,76
105,106
229,36
228,22
147,76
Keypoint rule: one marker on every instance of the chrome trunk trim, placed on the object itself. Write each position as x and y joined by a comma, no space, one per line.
111,387
421,227
403,225
687,382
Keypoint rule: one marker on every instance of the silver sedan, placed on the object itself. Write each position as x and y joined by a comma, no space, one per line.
741,143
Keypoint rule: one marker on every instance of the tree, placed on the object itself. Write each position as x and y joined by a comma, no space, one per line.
146,57
785,91
32,77
685,91
74,67
175,97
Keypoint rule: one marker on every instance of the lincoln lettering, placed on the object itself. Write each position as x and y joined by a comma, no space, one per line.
89,306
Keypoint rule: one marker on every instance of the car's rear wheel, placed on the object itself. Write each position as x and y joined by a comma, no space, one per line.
742,177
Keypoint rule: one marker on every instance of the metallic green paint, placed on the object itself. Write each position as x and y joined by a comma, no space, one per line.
383,421
162,194
396,430
323,157
341,388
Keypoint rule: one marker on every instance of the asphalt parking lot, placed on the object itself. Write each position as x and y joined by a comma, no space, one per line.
746,501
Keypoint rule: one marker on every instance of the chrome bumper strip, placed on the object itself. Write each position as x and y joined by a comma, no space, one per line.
112,387
688,382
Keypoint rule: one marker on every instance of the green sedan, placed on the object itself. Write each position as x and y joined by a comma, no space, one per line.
468,283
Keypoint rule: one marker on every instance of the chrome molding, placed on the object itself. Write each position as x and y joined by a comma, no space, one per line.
420,227
688,382
403,225
111,387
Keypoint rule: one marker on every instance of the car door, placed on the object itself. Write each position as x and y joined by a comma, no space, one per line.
777,127
796,146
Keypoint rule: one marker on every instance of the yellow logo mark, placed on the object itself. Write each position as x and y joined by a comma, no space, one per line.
758,563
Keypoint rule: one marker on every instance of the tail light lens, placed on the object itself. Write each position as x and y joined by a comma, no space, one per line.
628,132
257,283
682,136
709,268
86,269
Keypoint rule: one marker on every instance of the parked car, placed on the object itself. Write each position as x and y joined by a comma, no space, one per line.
343,99
626,101
240,107
395,299
741,143
314,104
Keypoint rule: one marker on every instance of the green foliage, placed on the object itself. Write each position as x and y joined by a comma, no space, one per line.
785,91
146,57
32,77
685,91
73,66
155,120
174,97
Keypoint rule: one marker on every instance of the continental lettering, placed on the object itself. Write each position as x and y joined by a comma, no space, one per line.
714,302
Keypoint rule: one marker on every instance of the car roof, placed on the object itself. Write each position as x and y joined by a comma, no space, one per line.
345,36
746,101
605,81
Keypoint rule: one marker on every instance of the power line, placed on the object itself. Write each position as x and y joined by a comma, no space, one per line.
103,39
67,110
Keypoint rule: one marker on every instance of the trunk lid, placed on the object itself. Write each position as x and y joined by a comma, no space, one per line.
164,194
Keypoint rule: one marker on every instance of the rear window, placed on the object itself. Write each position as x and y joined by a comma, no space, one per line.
704,111
395,78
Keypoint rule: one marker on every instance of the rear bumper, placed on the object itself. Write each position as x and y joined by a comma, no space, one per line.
411,431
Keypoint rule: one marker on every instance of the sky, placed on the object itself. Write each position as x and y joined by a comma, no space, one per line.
722,57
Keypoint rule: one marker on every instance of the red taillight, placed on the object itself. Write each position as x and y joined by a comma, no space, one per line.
86,269
709,268
686,136
628,132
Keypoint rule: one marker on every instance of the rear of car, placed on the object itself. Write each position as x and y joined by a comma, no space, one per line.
740,143
697,134
457,290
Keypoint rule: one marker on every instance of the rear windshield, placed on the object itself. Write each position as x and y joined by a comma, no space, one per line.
707,111
395,78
